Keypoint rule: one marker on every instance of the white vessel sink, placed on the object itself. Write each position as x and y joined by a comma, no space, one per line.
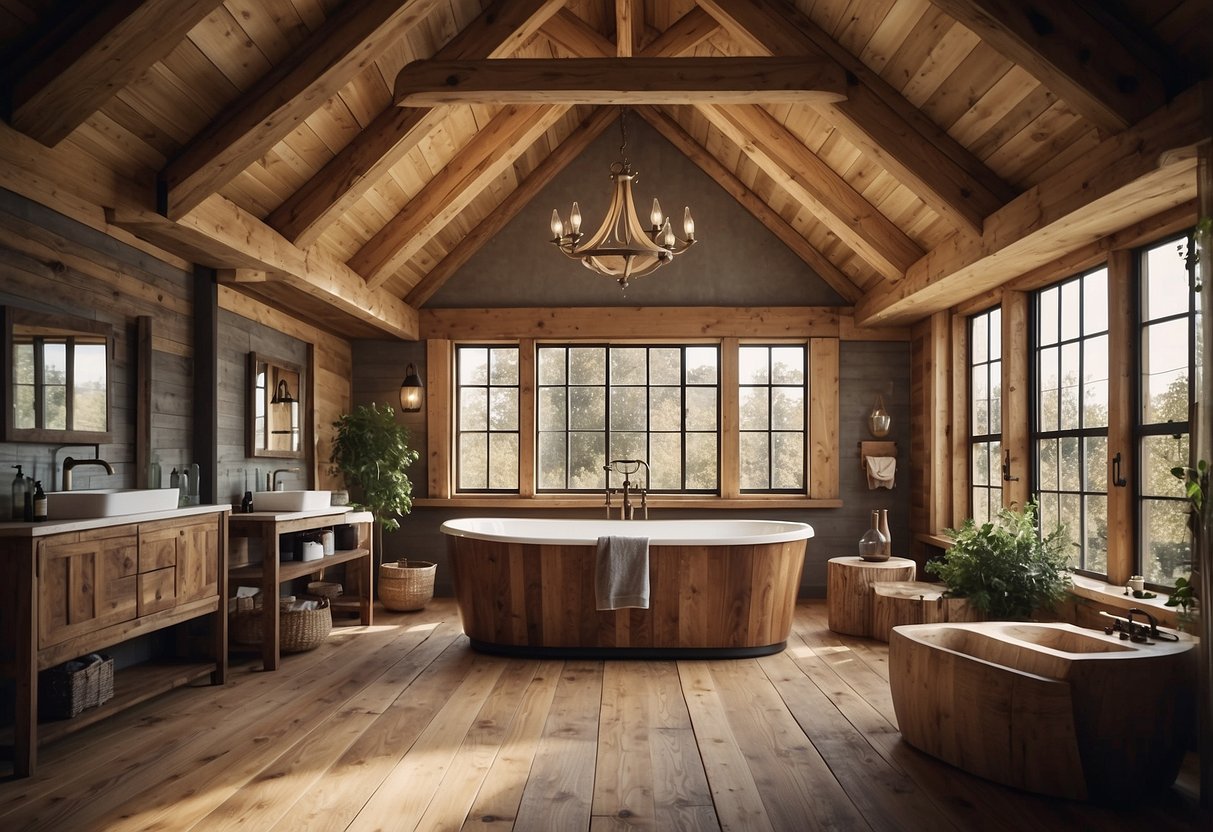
291,500
108,502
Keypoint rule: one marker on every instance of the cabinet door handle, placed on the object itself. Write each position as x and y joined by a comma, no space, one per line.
1117,480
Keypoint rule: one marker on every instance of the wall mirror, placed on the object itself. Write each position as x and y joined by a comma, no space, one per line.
58,370
275,406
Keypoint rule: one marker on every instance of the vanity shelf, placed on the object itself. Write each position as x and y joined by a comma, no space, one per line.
270,573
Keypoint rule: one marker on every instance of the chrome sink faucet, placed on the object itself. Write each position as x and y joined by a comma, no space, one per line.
69,463
627,467
275,485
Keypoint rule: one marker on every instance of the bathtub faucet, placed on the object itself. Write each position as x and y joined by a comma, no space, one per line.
627,467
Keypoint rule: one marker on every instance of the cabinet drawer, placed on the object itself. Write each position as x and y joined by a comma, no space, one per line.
158,546
157,590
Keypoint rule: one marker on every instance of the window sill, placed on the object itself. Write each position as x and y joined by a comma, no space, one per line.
1114,596
596,503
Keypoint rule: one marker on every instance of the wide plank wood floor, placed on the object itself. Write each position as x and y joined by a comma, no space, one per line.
403,726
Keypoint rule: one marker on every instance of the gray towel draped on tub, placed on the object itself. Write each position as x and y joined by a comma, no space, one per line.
622,574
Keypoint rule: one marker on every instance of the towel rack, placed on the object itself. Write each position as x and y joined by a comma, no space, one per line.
875,448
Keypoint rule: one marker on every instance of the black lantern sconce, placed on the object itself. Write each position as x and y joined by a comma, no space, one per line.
412,393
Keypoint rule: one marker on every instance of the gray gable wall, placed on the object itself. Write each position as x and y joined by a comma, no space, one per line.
737,261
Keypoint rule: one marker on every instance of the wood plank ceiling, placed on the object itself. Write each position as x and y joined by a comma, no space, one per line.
261,136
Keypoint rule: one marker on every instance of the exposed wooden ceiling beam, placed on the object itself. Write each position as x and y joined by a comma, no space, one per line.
762,212
875,117
1071,52
220,234
303,217
66,83
493,149
1127,178
578,37
499,217
621,81
625,33
634,322
489,153
813,183
316,70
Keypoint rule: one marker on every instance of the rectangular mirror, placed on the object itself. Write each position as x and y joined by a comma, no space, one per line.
57,377
275,393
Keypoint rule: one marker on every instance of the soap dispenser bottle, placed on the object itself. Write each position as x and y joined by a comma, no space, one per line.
20,491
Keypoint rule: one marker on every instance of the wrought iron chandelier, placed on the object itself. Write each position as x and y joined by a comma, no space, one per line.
621,248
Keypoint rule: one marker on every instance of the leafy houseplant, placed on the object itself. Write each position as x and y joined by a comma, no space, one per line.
1200,521
371,451
1004,567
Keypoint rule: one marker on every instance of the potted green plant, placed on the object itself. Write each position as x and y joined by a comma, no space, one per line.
371,452
1005,568
1200,521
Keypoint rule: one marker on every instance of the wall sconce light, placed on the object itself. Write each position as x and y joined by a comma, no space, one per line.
412,393
282,394
879,419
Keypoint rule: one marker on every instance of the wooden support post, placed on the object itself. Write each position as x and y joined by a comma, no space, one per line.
438,377
1015,438
1122,361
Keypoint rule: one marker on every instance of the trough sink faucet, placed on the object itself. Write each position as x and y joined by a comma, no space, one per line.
69,463
626,467
275,485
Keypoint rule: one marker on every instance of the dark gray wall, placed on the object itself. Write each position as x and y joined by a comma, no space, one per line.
737,261
237,338
74,269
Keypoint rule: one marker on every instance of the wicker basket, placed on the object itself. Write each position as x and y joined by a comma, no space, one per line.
298,630
68,689
406,584
324,589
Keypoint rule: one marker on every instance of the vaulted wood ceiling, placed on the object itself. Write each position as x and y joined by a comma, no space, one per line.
977,139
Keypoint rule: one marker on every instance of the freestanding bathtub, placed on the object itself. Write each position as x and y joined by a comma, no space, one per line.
718,588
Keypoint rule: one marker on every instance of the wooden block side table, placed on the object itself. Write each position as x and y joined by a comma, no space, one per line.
849,590
915,602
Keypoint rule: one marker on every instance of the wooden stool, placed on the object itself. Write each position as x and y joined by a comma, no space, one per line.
849,590
914,602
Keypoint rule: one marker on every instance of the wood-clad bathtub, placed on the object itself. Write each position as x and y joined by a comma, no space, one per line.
718,588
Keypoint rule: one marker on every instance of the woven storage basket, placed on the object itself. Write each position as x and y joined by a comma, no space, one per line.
406,584
324,589
298,630
63,693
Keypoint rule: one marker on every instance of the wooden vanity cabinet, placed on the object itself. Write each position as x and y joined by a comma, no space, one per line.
83,586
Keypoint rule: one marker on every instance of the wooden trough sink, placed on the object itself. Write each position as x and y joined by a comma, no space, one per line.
1049,708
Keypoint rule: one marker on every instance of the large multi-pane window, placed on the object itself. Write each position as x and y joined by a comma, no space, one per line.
1168,350
771,398
985,414
1070,424
657,403
487,418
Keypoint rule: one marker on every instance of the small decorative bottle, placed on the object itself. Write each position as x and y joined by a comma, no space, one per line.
246,505
39,502
884,532
871,545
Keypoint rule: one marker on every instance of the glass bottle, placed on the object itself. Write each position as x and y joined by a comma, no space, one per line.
884,531
871,545
20,489
39,502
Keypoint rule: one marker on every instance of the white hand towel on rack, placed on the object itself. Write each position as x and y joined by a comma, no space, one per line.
882,471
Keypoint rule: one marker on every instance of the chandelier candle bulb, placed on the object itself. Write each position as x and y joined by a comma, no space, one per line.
688,223
557,225
575,220
655,215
